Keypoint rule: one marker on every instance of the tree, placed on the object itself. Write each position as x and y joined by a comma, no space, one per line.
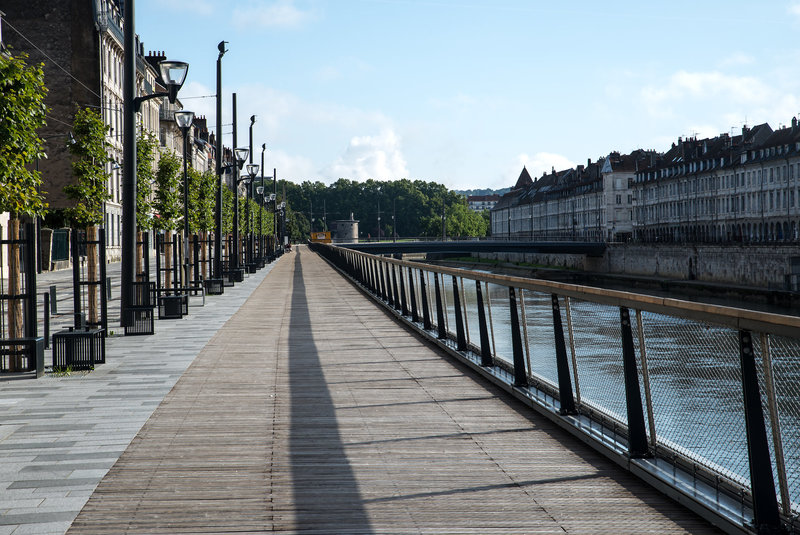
145,178
167,204
22,112
89,149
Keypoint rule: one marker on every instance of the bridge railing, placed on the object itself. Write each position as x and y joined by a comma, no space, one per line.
702,401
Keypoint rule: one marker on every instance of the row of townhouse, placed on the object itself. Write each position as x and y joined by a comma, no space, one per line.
80,43
743,188
730,188
587,203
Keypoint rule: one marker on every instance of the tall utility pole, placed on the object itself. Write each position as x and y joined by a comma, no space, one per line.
218,155
274,208
444,225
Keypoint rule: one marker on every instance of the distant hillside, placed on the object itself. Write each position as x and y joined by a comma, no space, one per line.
487,191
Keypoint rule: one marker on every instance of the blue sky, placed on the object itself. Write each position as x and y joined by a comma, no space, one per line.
466,92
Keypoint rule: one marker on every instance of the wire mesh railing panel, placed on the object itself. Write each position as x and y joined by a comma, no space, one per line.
785,356
500,328
696,387
539,318
598,351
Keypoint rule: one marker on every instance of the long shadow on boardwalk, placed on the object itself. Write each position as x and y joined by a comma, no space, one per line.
326,494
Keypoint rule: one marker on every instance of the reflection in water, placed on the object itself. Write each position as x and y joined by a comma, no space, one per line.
694,369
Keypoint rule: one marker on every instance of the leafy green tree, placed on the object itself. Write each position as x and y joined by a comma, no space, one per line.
89,149
167,203
22,112
227,210
145,178
202,187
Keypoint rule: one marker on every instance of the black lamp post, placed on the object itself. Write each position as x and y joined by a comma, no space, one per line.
173,74
252,171
261,212
241,157
184,120
218,157
249,194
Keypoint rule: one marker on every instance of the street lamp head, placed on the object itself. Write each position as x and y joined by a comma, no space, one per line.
252,169
263,147
252,120
271,197
241,155
259,190
173,74
184,118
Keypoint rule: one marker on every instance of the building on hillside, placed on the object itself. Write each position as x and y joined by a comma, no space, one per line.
479,203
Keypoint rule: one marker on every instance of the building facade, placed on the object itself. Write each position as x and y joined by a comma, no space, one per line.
586,203
80,44
479,203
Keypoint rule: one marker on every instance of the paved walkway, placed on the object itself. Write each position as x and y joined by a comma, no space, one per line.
312,411
60,435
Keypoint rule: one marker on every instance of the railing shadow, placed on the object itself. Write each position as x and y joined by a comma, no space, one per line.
326,494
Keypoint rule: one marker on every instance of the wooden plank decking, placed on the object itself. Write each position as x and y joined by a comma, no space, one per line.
312,411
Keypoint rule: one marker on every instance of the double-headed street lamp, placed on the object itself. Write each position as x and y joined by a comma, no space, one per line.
252,171
184,120
173,74
241,156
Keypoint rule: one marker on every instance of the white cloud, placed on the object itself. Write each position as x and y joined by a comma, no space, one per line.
794,9
737,59
200,99
277,14
705,86
378,157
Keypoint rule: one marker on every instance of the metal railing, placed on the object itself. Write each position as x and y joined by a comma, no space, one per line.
701,401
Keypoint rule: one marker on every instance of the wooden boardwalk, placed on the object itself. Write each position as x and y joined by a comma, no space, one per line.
312,411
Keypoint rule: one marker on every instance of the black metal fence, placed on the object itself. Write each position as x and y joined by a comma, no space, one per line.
699,400
21,348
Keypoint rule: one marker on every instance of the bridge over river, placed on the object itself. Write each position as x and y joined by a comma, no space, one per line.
295,404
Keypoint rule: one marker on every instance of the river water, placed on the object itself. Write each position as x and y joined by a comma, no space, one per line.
694,370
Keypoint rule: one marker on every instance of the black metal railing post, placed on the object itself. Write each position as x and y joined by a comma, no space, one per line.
637,435
395,294
403,301
105,287
520,374
76,278
565,395
442,332
486,352
379,268
461,340
423,292
765,502
412,292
